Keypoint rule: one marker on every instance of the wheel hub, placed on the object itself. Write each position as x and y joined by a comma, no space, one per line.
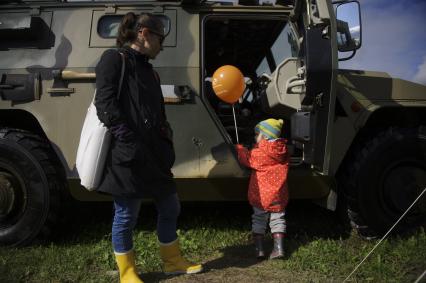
7,194
403,183
12,198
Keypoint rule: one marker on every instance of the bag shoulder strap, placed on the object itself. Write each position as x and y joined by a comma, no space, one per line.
157,77
123,65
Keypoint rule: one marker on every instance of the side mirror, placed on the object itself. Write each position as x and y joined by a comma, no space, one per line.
348,21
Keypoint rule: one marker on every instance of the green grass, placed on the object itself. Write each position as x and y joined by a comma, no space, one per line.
318,249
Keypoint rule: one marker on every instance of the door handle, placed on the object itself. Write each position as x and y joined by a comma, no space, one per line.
295,85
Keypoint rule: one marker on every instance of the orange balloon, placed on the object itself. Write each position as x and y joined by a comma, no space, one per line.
228,83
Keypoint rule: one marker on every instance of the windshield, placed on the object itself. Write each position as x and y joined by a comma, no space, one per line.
285,46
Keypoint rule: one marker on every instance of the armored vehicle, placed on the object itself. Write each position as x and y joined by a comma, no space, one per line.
355,135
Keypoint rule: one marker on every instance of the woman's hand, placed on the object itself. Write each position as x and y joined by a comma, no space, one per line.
122,133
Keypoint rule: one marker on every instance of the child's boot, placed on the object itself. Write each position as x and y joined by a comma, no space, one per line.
173,261
127,267
258,244
278,251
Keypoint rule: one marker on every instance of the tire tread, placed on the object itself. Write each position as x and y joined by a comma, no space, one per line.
43,152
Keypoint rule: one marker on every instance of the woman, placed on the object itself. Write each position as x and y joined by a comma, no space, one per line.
141,154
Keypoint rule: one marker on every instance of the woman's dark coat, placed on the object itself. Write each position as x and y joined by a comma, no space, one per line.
138,166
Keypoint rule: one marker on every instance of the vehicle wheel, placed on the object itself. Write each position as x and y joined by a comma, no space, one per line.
31,182
383,178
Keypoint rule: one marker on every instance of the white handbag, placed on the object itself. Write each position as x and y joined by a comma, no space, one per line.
95,140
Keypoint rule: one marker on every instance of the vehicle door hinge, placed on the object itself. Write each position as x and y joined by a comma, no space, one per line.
110,9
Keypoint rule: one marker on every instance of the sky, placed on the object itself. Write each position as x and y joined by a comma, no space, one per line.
393,39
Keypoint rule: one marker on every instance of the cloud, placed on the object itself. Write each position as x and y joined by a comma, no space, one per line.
391,38
354,29
420,76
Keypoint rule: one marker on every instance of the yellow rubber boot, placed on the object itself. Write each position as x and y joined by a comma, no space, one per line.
173,261
127,267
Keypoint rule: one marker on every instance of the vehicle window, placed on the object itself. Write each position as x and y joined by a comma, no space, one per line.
108,25
263,68
285,46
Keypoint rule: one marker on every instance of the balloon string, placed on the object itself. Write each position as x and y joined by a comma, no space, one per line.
235,124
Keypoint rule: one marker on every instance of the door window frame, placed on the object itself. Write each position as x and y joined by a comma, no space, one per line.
96,40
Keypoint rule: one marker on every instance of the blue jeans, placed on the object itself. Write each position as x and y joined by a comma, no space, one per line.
126,216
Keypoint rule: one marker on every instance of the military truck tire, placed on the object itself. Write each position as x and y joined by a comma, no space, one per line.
30,187
384,177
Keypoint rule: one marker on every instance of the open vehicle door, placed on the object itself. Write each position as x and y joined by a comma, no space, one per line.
321,64
305,84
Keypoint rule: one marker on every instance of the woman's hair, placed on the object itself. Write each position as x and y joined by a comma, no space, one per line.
131,24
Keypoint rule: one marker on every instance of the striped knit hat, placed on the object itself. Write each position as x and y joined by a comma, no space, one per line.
270,128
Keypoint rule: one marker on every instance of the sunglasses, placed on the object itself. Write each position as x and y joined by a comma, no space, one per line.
160,36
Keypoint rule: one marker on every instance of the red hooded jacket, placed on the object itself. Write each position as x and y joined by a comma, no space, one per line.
269,161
